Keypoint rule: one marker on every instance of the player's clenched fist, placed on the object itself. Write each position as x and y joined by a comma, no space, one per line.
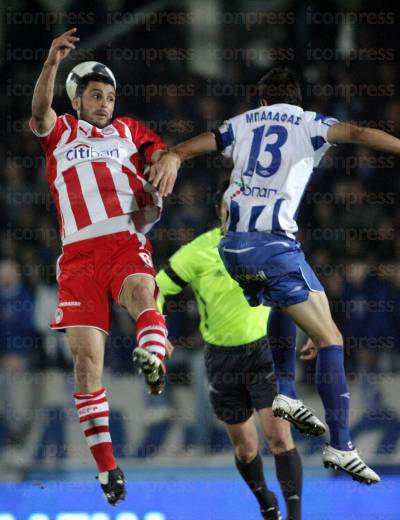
61,47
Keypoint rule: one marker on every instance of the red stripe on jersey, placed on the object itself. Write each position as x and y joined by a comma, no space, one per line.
76,199
95,430
51,170
93,416
107,189
73,124
51,167
120,128
96,133
137,162
143,198
91,402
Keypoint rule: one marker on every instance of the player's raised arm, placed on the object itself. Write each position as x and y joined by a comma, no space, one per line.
164,172
370,137
43,115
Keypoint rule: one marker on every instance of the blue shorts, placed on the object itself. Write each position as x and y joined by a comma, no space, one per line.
270,268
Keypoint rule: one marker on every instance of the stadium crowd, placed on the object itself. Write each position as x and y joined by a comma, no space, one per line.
349,216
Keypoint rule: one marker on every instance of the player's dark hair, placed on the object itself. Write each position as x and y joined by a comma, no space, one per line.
93,76
280,85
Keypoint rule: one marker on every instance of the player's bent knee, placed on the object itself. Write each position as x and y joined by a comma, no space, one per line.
137,293
333,338
279,441
279,437
245,448
246,453
330,335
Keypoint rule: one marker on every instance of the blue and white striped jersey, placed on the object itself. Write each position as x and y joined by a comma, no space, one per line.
274,150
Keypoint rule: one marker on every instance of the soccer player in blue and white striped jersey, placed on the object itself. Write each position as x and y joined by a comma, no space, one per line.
274,149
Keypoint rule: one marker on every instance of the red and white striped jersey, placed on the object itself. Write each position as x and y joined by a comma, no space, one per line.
97,174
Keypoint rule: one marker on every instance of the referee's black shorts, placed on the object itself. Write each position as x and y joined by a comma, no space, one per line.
240,379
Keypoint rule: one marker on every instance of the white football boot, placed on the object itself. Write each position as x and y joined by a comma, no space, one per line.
297,413
349,462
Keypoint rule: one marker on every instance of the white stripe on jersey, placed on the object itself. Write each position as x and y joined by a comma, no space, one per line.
124,191
90,192
127,130
69,224
64,138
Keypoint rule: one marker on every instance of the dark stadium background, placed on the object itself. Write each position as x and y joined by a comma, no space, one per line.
182,68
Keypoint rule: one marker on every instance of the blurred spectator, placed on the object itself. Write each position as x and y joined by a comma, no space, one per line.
18,339
17,334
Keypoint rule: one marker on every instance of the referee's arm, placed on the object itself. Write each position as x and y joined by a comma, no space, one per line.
170,283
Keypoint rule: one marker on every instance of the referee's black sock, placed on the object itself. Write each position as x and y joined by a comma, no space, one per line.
253,474
289,471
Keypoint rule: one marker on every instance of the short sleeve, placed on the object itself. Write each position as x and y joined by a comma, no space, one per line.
50,139
184,262
146,141
318,127
225,136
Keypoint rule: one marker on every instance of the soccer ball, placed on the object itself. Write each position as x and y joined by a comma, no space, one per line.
83,69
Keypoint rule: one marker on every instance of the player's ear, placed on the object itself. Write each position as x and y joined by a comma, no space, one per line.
76,103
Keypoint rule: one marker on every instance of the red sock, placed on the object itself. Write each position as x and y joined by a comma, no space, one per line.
151,332
93,415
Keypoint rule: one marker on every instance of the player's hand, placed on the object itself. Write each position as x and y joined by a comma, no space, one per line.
169,348
163,173
61,47
309,351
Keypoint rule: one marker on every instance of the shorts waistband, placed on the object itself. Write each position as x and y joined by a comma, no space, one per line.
259,235
259,344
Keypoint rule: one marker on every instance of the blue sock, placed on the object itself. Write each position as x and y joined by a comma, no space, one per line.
332,387
282,339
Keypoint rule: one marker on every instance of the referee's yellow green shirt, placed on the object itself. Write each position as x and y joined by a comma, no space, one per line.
226,319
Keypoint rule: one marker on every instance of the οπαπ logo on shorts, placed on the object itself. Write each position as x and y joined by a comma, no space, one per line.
58,315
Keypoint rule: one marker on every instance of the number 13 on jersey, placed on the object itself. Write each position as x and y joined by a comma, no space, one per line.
254,165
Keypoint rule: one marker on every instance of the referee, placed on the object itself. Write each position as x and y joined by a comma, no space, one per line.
239,367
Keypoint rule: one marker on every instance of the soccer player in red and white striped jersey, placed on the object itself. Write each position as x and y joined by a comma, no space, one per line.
95,167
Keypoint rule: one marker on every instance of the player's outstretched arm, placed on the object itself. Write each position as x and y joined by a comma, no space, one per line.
43,115
199,145
370,137
164,172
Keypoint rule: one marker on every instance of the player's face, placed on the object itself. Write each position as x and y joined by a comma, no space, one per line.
96,105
